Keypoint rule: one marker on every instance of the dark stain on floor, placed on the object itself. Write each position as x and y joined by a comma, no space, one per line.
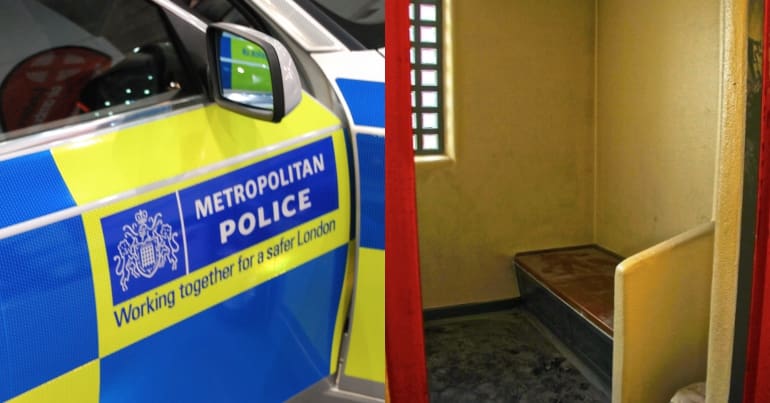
500,357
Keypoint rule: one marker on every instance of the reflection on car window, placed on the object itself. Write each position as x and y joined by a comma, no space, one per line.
221,11
71,58
363,19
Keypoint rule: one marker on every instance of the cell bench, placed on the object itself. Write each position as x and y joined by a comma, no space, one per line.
571,290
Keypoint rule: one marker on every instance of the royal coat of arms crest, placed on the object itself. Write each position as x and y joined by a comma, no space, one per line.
148,245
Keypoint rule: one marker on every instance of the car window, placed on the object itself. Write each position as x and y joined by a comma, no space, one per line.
73,60
214,10
362,19
220,11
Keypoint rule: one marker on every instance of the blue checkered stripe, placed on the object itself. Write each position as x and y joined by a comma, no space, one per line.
47,307
371,168
265,344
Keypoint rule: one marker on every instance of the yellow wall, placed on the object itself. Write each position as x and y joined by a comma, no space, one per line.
523,173
657,119
572,124
667,285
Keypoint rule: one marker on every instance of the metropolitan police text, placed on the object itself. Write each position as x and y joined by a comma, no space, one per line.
287,206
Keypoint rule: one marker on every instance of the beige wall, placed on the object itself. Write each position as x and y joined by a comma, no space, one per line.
523,173
657,119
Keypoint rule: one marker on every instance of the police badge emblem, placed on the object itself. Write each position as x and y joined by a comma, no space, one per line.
148,245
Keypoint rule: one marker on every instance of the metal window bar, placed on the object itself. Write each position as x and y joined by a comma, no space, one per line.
427,100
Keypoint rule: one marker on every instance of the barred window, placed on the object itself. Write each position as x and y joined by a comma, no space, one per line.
426,58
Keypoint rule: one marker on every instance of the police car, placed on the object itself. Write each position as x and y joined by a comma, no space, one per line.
192,200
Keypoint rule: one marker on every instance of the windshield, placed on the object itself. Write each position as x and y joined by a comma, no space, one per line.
363,20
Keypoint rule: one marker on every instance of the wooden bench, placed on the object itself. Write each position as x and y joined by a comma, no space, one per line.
571,290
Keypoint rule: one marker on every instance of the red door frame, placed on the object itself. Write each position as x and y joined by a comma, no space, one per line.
405,348
757,375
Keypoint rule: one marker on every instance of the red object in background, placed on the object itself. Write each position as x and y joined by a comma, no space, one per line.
46,86
404,342
757,375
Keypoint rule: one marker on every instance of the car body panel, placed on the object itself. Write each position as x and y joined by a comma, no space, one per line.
358,79
280,319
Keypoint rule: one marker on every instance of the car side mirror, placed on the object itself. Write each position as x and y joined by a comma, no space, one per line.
251,73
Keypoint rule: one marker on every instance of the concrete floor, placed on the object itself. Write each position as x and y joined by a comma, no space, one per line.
504,356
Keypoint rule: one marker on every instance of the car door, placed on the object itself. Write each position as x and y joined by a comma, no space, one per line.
355,74
156,246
